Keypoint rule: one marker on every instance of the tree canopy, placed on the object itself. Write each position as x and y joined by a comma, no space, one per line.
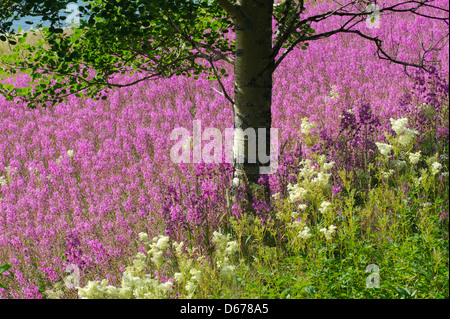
159,38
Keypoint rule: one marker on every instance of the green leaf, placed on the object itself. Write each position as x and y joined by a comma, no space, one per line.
4,268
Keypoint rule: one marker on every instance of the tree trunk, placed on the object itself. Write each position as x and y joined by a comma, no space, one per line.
253,89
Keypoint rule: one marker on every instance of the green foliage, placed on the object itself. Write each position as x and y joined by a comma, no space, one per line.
9,275
155,38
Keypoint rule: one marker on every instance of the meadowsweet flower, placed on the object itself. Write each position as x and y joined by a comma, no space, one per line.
435,168
91,291
178,277
306,126
70,153
220,241
432,159
196,275
407,137
307,170
190,287
166,287
296,193
414,157
232,247
417,181
305,233
328,232
325,207
302,207
158,258
384,149
178,247
3,181
163,243
58,160
321,179
139,262
143,237
399,125
56,292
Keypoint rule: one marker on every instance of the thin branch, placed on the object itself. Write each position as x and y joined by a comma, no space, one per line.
225,93
343,29
205,56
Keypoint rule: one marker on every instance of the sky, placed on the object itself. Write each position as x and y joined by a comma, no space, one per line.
21,23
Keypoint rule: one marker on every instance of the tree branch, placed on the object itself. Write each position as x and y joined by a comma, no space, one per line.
230,8
347,29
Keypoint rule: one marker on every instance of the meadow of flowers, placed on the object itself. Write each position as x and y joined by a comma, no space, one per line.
362,180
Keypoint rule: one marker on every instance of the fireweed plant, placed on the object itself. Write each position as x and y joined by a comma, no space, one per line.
362,180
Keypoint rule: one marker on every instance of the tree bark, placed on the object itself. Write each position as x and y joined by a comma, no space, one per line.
253,89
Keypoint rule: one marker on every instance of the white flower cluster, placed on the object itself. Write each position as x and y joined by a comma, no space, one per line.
306,126
296,192
189,276
325,207
405,135
434,165
385,149
192,284
56,292
3,181
414,157
157,249
328,232
135,283
436,168
312,179
224,249
305,233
